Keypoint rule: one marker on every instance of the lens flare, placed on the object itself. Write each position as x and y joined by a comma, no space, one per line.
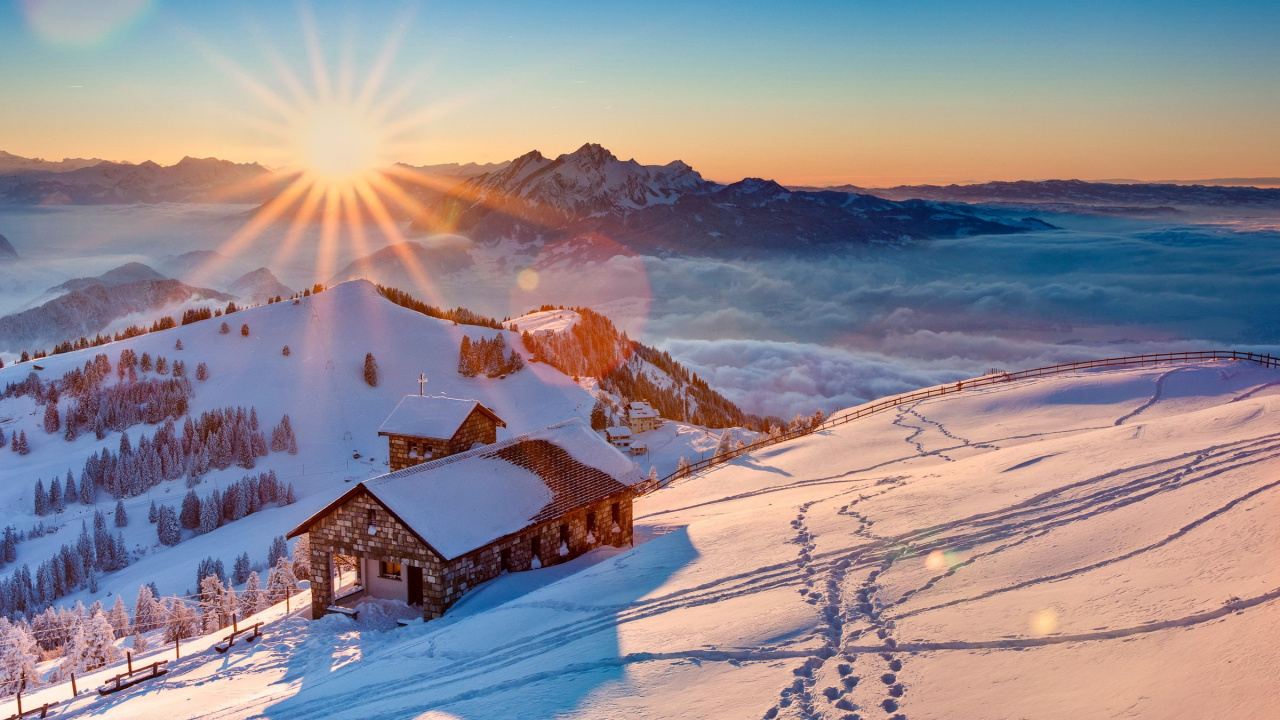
936,560
1044,622
527,279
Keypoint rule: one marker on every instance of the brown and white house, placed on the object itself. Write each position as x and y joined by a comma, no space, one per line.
428,533
429,427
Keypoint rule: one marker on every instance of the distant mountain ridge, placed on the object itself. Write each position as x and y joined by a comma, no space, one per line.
1079,192
672,208
108,183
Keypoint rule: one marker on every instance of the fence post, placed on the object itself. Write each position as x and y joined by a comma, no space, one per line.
129,657
177,653
73,685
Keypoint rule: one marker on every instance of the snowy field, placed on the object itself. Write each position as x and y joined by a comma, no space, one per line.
1093,545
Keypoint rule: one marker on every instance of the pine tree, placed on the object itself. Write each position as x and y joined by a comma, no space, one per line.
190,516
281,581
119,617
202,372
139,643
55,496
177,345
20,445
210,515
18,656
240,571
52,422
70,493
465,366
285,351
279,549
168,529
182,621
152,514
148,613
162,366
92,645
212,603
42,500
599,416
682,468
224,329
253,600
122,520
726,443
87,490
302,557
370,370
244,331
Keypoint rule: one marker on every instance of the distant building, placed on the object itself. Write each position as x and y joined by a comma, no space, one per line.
642,417
429,533
619,437
639,448
424,428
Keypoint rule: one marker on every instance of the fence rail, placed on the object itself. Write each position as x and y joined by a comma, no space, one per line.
995,378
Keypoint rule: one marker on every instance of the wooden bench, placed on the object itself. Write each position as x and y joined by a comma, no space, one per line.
133,677
353,614
253,631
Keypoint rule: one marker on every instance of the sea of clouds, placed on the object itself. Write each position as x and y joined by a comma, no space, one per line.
801,332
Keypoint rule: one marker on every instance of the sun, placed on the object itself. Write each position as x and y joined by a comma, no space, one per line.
338,146
339,139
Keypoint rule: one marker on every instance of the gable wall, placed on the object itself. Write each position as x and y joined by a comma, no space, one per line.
477,428
345,530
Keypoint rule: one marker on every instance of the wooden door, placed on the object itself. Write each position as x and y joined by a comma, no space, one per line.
415,584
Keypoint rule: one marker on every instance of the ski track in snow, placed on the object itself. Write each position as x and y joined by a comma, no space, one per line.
1155,397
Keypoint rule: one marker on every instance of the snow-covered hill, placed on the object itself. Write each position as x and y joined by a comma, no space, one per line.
1090,545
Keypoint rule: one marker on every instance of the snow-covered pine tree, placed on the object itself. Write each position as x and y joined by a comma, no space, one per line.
20,445
168,531
202,372
162,366
139,643
41,499
92,645
224,329
18,656
181,620
279,549
55,496
70,493
370,370
240,571
725,445
119,617
213,603
152,513
280,581
599,416
244,331
190,516
148,613
682,468
121,518
302,556
210,515
253,600
145,363
52,422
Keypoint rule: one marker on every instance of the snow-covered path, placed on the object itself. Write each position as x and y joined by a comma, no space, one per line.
1009,552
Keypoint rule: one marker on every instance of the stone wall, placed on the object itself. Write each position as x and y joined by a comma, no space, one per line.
345,531
468,571
400,445
477,428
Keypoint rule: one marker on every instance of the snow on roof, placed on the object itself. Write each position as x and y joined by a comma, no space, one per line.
618,432
431,416
641,410
463,502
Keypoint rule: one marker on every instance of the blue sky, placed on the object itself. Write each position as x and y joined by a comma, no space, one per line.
803,92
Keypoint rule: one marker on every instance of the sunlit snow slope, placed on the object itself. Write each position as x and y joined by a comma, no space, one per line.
1101,544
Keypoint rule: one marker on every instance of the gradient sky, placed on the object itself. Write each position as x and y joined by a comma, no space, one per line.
820,92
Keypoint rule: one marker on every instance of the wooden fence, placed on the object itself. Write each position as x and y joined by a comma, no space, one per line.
994,378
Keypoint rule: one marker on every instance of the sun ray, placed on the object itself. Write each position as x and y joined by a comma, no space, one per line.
373,81
319,72
264,218
301,221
